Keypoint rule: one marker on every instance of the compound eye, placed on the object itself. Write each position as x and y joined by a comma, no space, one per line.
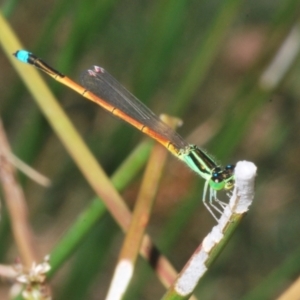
216,177
217,182
230,167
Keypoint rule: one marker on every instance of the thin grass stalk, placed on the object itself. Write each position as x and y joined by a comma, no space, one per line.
85,161
140,218
205,54
16,205
88,218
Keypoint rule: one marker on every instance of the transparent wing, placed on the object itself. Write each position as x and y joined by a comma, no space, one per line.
105,86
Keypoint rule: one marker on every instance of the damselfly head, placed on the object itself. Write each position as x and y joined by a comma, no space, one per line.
222,178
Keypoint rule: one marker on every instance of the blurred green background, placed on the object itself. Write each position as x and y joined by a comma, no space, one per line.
203,61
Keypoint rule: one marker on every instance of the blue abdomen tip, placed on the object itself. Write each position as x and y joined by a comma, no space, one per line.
22,55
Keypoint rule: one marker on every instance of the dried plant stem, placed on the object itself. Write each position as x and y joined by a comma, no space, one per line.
214,242
79,152
140,218
16,204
